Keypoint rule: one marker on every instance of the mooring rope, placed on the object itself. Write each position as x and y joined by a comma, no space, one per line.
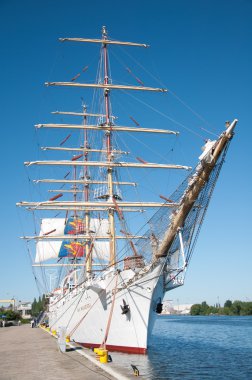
110,314
78,324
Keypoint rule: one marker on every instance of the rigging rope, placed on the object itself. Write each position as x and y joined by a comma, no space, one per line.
164,86
84,316
110,314
163,114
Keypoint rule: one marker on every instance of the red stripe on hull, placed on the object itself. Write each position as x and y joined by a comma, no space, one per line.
110,347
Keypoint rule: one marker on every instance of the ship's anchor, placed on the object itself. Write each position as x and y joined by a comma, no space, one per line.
159,307
125,308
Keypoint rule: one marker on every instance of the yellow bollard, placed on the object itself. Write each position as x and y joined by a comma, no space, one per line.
101,355
97,352
104,356
67,339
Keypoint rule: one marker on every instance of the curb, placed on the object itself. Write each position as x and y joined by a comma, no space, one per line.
104,367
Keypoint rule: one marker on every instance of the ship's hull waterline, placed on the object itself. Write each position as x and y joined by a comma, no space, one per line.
86,311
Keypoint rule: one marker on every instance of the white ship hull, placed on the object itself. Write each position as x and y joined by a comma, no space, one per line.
86,311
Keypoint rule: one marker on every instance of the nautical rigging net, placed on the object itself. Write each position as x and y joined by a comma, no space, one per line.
177,261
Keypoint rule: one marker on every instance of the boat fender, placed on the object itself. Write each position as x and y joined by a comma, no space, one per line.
159,307
125,308
135,370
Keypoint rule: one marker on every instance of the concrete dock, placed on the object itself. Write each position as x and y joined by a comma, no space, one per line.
31,353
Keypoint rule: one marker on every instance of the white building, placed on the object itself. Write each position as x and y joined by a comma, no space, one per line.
24,308
182,309
169,308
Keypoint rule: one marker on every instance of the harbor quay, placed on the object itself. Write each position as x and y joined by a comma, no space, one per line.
31,353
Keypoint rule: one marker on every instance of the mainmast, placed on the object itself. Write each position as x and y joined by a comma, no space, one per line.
111,212
86,195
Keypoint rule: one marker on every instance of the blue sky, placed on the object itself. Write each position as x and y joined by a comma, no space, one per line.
200,50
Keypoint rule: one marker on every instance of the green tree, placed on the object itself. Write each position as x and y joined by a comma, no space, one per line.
230,308
34,307
236,307
213,310
196,309
45,302
204,308
226,310
228,303
246,308
38,306
12,315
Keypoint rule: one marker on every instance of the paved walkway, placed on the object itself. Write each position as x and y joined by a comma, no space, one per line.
32,354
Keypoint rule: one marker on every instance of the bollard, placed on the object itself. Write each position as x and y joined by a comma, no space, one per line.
104,356
97,353
136,370
101,355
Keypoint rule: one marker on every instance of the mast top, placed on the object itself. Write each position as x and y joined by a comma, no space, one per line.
104,32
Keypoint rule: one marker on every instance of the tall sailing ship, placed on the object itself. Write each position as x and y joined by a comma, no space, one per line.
112,280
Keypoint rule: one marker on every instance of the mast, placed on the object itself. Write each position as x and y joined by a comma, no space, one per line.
75,260
111,212
86,196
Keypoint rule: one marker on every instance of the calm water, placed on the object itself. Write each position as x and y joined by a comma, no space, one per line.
187,347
